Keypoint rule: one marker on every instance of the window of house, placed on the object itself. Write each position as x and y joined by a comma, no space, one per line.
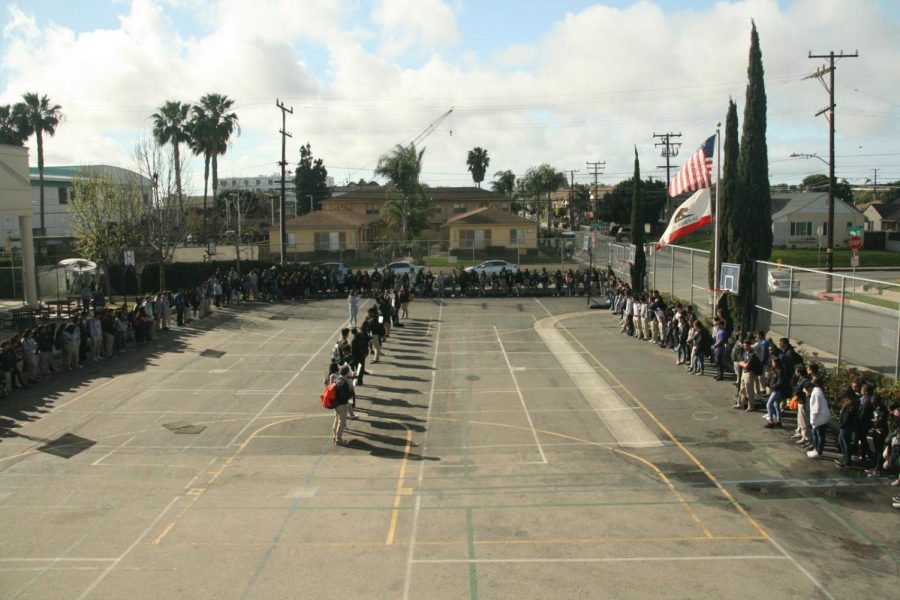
459,207
372,209
330,241
436,208
504,206
477,238
63,195
801,229
516,236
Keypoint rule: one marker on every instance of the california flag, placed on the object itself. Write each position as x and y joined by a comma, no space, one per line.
693,214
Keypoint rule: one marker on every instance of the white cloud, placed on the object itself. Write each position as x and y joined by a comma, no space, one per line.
596,83
415,25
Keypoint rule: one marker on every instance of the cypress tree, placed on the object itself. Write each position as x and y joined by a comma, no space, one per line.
639,267
752,222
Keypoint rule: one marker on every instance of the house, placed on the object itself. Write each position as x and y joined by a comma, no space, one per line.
799,217
58,192
324,231
445,202
882,217
490,227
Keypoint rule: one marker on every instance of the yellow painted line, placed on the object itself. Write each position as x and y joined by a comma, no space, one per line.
402,490
198,492
737,505
671,486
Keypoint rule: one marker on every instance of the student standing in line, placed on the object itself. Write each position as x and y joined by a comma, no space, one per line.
819,416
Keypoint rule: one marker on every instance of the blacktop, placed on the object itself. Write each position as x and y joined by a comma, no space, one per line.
507,448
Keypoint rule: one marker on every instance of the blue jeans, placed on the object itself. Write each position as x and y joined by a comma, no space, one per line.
818,438
773,408
845,444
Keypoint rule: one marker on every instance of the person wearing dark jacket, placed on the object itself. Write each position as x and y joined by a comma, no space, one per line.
344,394
751,367
848,420
864,415
359,350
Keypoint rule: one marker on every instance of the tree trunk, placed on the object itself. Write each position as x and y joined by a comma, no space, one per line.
40,151
215,191
205,191
176,155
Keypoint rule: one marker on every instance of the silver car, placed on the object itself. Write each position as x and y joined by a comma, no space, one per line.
489,267
779,282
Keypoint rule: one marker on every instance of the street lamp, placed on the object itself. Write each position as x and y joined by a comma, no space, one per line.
829,248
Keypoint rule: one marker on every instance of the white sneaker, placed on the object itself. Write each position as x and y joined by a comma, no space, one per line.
812,454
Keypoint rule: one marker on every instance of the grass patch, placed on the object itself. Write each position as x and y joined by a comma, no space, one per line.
873,300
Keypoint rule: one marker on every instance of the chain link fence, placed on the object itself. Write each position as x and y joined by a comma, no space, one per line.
840,318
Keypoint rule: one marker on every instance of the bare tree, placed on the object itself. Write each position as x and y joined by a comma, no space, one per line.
161,223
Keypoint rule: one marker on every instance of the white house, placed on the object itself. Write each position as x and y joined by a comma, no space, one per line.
799,217
57,194
882,217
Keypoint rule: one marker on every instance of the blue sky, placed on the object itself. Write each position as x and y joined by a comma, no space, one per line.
532,81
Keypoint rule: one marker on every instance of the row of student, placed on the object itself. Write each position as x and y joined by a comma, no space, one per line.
347,365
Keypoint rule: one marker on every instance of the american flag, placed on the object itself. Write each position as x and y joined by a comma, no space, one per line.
695,174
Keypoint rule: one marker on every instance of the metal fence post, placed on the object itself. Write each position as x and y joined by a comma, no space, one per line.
691,280
897,348
790,300
841,324
672,274
654,268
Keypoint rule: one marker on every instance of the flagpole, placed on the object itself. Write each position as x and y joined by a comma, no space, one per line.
716,243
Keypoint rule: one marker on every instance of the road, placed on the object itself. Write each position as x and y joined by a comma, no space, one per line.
507,448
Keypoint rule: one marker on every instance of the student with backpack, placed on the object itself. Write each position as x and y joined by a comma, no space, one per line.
336,396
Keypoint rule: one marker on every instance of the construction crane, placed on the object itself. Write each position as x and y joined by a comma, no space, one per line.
430,129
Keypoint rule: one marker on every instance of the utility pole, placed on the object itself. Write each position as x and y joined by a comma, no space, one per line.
595,166
669,150
572,197
283,163
875,186
828,111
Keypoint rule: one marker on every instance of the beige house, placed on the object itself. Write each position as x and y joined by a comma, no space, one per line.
324,231
446,202
491,227
882,217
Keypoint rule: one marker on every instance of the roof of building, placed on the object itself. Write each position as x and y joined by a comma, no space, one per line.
378,193
330,218
68,172
886,211
787,203
488,216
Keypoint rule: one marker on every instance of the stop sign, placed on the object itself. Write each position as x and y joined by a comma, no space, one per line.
855,243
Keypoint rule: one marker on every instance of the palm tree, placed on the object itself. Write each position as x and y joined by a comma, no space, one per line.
39,117
211,127
478,162
11,125
504,183
402,167
170,125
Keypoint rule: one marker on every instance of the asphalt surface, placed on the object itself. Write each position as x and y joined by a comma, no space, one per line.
508,448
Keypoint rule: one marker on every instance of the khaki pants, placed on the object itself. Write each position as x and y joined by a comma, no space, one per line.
340,422
802,425
376,345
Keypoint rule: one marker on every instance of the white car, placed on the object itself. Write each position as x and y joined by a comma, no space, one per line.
399,268
489,267
339,268
779,282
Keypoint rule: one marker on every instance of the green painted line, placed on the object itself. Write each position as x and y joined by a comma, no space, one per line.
473,575
851,524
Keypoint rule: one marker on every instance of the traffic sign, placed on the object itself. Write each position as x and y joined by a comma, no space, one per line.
854,260
855,231
855,243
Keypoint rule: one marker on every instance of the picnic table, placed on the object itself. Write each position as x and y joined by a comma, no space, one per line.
63,306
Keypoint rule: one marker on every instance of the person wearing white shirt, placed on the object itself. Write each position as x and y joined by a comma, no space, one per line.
819,416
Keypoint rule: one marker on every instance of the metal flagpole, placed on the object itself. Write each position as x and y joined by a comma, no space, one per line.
716,242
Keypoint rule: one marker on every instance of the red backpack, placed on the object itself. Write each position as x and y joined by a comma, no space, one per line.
329,396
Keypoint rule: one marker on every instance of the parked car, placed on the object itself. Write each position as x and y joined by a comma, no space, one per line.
779,282
402,267
339,268
623,233
490,267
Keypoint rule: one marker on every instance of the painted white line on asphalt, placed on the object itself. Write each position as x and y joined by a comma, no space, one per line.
128,550
407,580
625,425
802,569
622,559
111,452
521,397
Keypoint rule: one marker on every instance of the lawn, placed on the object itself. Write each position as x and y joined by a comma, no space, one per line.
809,257
874,300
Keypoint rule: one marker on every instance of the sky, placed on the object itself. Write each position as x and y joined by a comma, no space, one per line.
531,81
